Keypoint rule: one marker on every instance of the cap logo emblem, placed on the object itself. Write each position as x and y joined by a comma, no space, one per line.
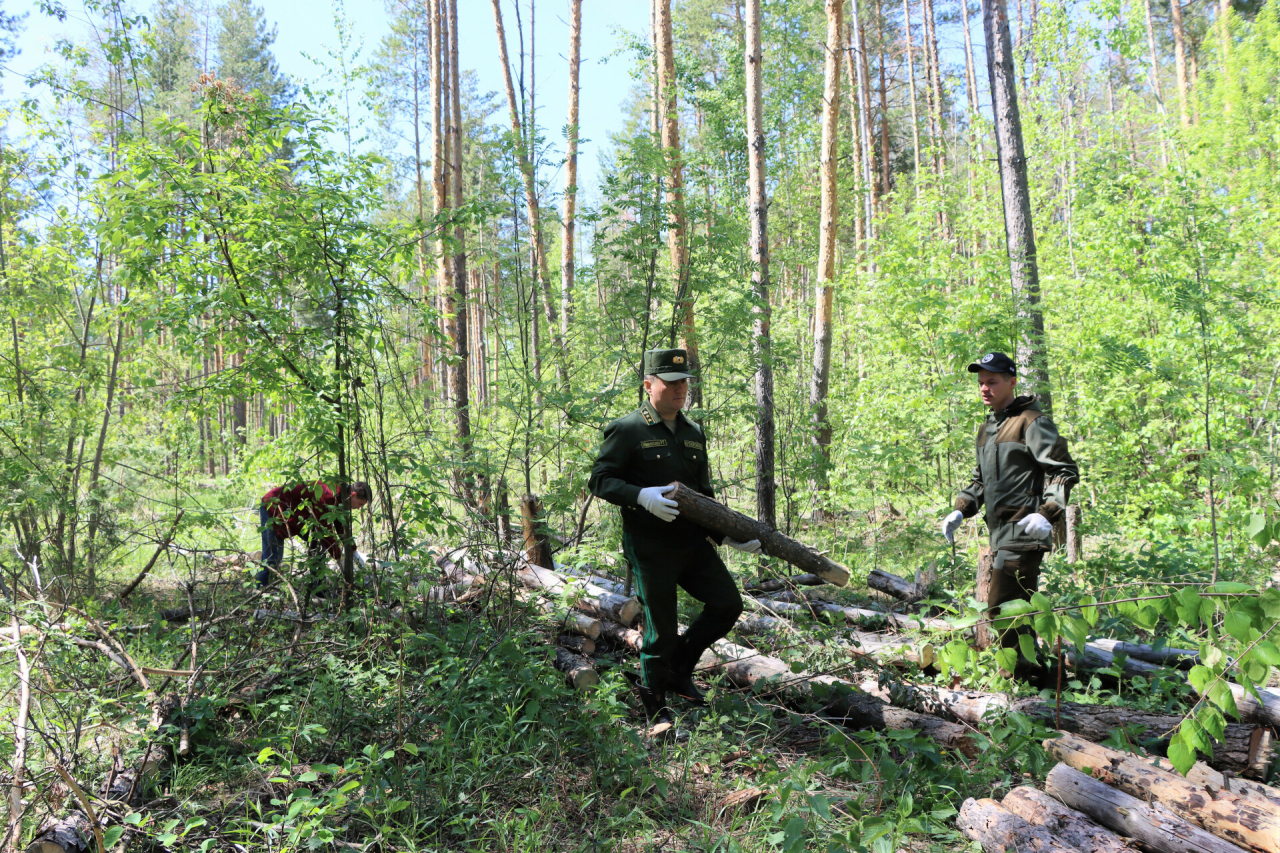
677,359
986,358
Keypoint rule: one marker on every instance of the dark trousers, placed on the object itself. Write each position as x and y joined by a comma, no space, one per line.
695,566
1014,575
273,552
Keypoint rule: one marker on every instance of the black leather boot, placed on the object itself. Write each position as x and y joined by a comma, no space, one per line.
683,686
655,705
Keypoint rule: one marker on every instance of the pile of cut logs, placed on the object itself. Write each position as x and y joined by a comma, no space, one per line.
1100,800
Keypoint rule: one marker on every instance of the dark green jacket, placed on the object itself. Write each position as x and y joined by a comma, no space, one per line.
1023,467
639,451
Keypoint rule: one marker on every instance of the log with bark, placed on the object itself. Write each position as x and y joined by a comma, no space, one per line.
760,673
577,645
1205,776
997,829
1152,824
892,585
1143,652
775,584
579,672
714,515
811,607
622,636
598,602
1097,657
888,649
1238,752
1240,820
1073,828
1267,711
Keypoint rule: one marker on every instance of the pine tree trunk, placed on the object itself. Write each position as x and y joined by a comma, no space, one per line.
570,170
970,72
823,304
758,204
677,235
1180,63
439,143
456,299
911,93
886,174
855,134
864,126
1032,356
935,89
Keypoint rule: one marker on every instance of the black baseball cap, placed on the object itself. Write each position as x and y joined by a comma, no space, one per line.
996,362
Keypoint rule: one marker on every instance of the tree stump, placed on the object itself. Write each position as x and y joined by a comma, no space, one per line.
1074,550
537,545
983,635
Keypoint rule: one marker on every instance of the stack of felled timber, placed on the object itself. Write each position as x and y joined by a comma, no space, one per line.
1101,800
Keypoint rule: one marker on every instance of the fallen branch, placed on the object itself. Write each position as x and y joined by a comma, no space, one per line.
164,545
775,584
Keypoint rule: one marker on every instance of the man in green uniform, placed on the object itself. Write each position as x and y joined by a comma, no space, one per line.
1023,477
642,455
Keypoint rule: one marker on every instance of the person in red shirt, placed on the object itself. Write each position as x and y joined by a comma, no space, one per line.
310,510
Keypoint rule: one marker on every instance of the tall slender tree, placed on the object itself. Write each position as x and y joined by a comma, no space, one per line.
858,55
911,92
677,230
570,170
1020,240
455,301
823,305
1180,63
758,207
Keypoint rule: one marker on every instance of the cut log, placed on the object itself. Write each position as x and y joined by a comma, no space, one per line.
748,668
775,584
1242,821
714,515
1097,657
622,636
579,672
1073,533
1251,710
1153,825
753,624
890,584
1068,825
577,645
598,602
1202,774
811,607
1143,652
888,649
997,829
1236,753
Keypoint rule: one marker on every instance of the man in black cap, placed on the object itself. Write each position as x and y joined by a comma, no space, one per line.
1023,477
642,455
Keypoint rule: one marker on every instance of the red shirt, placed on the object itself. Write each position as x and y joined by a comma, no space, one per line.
302,509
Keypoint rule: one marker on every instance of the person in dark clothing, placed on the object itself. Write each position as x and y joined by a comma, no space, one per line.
641,456
1023,478
310,510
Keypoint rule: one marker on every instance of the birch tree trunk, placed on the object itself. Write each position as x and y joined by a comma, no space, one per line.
970,72
677,235
531,202
439,136
758,205
570,170
1032,357
455,301
864,121
855,135
822,308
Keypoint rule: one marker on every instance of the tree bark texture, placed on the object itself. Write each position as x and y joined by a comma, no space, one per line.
570,171
537,546
577,670
1212,780
1242,821
758,206
677,236
997,829
858,56
911,92
714,515
1165,657
855,136
982,634
1024,276
891,584
775,584
455,297
825,298
748,668
1144,820
1071,827
1074,550
938,131
595,601
1180,63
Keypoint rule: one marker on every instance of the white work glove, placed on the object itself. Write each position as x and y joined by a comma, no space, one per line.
951,524
1035,525
751,546
652,499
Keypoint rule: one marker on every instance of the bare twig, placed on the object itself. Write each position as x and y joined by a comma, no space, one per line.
164,545
84,804
19,735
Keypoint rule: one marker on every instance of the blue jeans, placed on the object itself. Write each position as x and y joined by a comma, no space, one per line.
272,546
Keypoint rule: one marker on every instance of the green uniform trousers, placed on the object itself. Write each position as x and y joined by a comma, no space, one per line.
694,566
1014,575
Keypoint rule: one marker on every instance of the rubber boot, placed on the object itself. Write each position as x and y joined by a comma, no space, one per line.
655,705
683,686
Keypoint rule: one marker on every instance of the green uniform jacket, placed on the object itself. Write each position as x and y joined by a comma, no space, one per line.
1023,467
640,451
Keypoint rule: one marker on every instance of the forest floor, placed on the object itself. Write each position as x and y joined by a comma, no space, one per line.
411,724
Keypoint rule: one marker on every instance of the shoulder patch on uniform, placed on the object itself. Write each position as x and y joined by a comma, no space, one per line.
696,445
657,442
